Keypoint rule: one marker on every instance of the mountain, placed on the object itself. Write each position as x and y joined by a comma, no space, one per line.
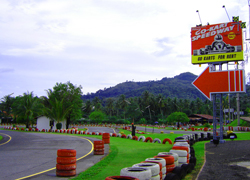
179,86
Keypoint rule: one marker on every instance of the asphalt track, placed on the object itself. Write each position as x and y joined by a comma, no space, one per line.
25,155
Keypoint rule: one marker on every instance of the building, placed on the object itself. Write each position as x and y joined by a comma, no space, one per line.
45,123
200,118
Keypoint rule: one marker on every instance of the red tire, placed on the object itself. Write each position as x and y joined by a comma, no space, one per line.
135,138
98,142
167,140
98,146
106,141
121,178
114,135
66,152
65,173
107,135
148,139
66,167
170,167
124,136
181,148
66,160
168,158
99,152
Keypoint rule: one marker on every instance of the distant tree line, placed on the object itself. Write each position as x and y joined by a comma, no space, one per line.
64,102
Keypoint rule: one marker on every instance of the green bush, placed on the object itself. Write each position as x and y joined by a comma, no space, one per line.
58,125
207,125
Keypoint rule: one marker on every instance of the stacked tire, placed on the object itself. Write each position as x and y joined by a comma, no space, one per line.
169,159
153,167
162,164
106,138
183,154
137,172
176,157
66,162
98,148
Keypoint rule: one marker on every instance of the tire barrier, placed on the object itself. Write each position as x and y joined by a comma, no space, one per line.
148,139
121,178
157,140
180,172
160,165
176,156
135,138
129,136
172,176
137,172
98,148
124,136
167,140
141,138
168,158
66,162
106,138
153,167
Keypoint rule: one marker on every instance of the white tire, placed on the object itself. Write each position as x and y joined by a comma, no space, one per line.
129,136
140,173
181,153
182,160
119,135
157,140
156,177
161,160
141,137
110,134
176,163
175,155
181,144
164,170
155,168
163,176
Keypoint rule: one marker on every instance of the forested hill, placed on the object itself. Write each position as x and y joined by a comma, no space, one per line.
180,87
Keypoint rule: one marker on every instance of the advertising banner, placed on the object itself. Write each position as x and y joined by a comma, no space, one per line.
217,43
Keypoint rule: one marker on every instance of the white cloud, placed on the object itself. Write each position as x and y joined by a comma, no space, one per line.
98,44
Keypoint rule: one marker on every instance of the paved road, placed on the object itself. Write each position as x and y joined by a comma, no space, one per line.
29,153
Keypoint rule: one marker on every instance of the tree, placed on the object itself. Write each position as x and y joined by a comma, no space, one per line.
5,106
72,98
177,117
27,107
56,110
97,116
110,105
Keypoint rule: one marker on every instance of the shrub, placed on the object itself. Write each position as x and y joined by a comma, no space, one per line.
59,126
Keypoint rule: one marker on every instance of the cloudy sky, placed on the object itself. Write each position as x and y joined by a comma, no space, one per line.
100,43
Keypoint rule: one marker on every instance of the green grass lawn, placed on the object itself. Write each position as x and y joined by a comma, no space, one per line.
127,152
124,153
1,137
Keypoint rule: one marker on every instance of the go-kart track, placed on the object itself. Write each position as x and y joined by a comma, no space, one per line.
33,155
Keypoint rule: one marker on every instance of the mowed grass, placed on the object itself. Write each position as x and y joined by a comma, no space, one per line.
1,137
124,153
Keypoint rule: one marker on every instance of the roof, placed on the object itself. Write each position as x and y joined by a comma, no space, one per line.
245,118
205,116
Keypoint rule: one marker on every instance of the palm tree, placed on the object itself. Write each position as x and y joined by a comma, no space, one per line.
5,106
110,105
123,103
56,110
27,107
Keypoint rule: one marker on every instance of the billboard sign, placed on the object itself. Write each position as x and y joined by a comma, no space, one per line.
217,43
